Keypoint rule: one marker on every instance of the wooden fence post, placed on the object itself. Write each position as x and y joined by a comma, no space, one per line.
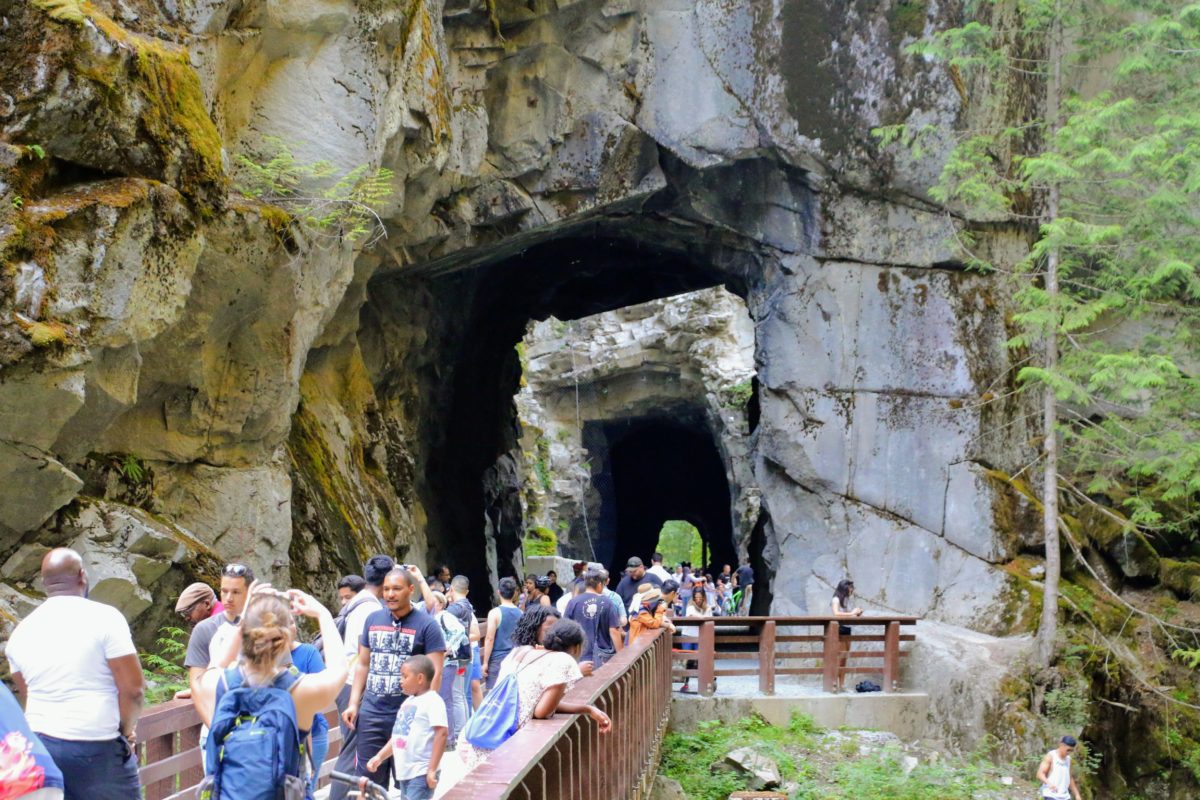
707,655
766,658
891,656
830,656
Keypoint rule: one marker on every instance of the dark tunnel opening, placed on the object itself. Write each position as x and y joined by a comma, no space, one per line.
470,481
659,469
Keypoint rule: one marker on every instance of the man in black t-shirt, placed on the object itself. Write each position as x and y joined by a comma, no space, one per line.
635,575
596,615
744,580
389,637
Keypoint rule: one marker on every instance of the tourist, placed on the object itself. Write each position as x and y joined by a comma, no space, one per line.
389,637
543,674
743,580
262,645
685,576
727,574
420,734
527,591
533,626
698,605
1055,772
554,591
348,587
635,575
636,603
841,608
456,664
307,660
725,593
74,663
537,593
671,599
618,603
650,616
564,601
355,613
578,568
599,621
28,773
440,582
501,622
213,634
197,603
461,608
657,569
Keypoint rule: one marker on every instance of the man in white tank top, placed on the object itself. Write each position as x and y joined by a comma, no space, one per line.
1055,772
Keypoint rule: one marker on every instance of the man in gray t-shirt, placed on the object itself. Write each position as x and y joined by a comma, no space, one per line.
235,584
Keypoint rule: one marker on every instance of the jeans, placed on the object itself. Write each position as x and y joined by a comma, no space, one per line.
454,694
494,668
346,760
320,746
375,722
95,770
416,789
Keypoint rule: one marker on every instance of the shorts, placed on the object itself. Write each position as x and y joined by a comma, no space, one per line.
844,630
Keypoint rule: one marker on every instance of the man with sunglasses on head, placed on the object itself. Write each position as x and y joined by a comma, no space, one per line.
212,636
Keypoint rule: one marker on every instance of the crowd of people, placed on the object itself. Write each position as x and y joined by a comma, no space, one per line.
405,660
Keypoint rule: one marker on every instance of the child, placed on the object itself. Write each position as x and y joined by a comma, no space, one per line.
419,736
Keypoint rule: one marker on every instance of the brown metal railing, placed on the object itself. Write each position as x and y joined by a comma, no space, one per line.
726,639
168,737
566,758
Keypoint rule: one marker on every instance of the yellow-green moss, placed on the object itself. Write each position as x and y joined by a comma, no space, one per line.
540,541
1181,577
116,193
173,105
419,23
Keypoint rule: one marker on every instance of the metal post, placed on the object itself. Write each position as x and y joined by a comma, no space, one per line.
891,656
830,656
707,657
766,658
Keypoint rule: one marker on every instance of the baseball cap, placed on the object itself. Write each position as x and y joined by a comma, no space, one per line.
193,594
634,562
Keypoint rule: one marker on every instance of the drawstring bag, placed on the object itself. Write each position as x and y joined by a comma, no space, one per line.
499,716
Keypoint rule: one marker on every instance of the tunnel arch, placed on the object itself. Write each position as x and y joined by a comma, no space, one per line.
468,486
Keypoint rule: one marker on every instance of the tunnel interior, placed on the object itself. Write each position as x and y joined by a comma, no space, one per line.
656,469
473,316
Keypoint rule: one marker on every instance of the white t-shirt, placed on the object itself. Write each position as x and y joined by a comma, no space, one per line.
412,735
62,651
1058,783
354,627
660,572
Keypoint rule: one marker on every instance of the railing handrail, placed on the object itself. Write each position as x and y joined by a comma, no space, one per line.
811,619
516,759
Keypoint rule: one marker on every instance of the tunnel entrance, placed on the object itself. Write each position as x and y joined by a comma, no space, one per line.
459,388
654,470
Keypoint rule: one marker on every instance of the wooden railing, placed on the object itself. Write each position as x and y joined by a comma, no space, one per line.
168,737
566,758
774,653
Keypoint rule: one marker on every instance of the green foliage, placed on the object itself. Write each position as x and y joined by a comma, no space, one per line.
1067,707
347,208
541,464
738,395
800,754
680,541
1120,155
1189,657
540,542
165,673
131,468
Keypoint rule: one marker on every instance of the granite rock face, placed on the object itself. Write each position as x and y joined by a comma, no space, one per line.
298,401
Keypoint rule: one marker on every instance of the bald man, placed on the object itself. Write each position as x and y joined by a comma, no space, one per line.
74,664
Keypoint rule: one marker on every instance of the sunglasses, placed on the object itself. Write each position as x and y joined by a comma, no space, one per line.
235,570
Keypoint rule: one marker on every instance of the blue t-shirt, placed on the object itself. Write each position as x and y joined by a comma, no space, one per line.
307,659
24,759
596,615
391,641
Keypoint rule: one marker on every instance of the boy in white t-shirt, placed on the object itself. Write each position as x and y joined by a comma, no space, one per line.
419,735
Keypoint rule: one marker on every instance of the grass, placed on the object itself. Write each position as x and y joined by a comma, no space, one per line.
815,765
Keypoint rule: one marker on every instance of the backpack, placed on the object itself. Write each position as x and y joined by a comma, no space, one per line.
499,715
867,686
341,619
254,750
458,642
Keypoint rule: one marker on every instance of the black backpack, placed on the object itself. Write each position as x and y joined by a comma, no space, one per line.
339,621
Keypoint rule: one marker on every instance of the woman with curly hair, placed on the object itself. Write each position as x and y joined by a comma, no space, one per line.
544,674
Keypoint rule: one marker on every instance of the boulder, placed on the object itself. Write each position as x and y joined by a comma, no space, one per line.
665,788
1181,577
760,772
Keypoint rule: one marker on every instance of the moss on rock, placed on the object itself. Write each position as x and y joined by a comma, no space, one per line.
1181,577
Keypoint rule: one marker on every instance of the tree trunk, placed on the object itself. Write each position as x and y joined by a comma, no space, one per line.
1048,630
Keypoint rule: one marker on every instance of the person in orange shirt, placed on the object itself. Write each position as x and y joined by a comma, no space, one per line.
652,615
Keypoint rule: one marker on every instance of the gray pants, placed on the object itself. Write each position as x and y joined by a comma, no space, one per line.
346,760
454,694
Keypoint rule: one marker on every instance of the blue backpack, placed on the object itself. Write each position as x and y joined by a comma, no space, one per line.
254,748
499,715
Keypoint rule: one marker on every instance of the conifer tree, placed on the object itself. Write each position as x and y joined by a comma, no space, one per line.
1106,173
